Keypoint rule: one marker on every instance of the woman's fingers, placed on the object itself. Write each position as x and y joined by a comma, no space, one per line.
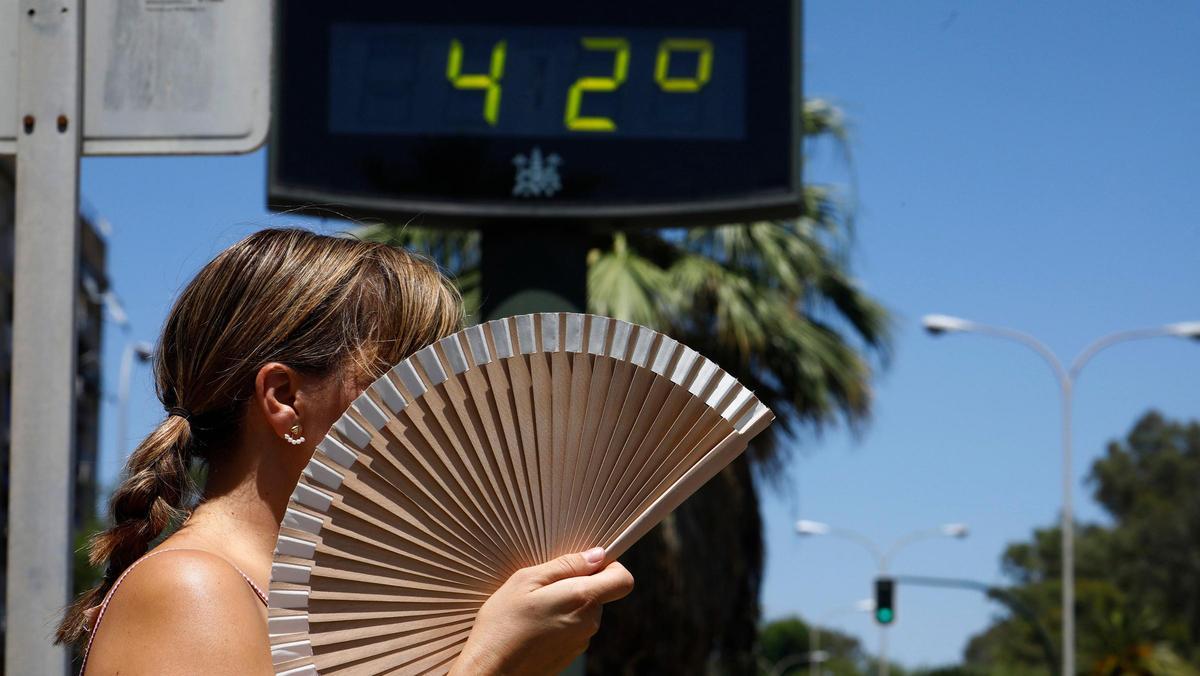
610,584
566,566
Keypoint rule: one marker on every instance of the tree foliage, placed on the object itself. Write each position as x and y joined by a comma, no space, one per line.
787,641
1137,580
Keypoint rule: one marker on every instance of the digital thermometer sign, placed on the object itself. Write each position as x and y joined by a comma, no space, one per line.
605,82
472,113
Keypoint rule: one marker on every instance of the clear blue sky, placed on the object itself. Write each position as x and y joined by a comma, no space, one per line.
1027,164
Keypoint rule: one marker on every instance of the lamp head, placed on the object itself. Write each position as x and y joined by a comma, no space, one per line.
1185,330
143,350
955,530
806,527
936,325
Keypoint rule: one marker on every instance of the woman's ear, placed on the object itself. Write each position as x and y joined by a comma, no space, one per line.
276,390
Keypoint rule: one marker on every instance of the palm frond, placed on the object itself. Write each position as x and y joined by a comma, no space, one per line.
624,285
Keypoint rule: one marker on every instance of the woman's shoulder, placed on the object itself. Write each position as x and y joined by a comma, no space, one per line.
165,579
180,608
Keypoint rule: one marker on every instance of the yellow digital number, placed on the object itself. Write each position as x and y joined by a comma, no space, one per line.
490,83
662,64
620,49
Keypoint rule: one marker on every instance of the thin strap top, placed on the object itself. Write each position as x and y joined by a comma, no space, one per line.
99,610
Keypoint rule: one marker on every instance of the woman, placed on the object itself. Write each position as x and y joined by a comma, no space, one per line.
262,352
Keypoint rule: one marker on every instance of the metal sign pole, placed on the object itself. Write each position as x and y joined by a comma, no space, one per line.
49,110
536,269
539,268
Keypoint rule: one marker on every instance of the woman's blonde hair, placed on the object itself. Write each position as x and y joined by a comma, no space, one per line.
313,302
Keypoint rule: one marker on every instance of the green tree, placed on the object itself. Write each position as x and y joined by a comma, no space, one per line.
774,304
1138,580
84,574
788,638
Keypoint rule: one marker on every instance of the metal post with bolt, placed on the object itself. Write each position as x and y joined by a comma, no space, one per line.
882,557
49,105
48,139
1066,378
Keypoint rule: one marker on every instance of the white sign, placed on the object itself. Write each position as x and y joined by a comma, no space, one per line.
161,76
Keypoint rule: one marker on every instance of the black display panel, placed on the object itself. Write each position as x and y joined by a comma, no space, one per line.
470,112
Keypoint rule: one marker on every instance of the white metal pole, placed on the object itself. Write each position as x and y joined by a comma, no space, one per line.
123,397
1068,533
142,352
41,480
883,663
814,644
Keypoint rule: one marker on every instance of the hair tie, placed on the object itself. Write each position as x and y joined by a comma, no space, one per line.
179,411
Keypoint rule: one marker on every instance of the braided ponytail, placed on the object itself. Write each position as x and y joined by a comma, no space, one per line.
149,498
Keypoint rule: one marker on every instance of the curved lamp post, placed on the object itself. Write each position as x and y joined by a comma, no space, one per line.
142,352
1066,376
882,556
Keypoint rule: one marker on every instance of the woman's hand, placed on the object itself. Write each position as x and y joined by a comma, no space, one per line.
543,616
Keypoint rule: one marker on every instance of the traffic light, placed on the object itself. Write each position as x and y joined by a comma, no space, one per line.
885,597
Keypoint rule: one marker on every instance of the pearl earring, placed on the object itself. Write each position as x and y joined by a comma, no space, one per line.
294,440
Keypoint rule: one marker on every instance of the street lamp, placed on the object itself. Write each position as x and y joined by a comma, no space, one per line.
142,351
882,557
1066,376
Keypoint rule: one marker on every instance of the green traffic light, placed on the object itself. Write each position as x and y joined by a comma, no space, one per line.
884,615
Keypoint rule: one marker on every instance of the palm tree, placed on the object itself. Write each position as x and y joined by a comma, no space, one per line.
772,302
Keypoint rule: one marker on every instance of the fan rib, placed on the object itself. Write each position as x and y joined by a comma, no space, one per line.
453,428
601,455
537,362
522,400
560,376
645,435
407,567
601,372
468,421
434,503
705,423
415,550
630,397
439,482
383,531
440,442
502,399
489,421
386,655
516,427
462,423
576,413
361,491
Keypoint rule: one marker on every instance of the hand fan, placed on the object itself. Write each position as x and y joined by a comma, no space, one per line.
502,446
